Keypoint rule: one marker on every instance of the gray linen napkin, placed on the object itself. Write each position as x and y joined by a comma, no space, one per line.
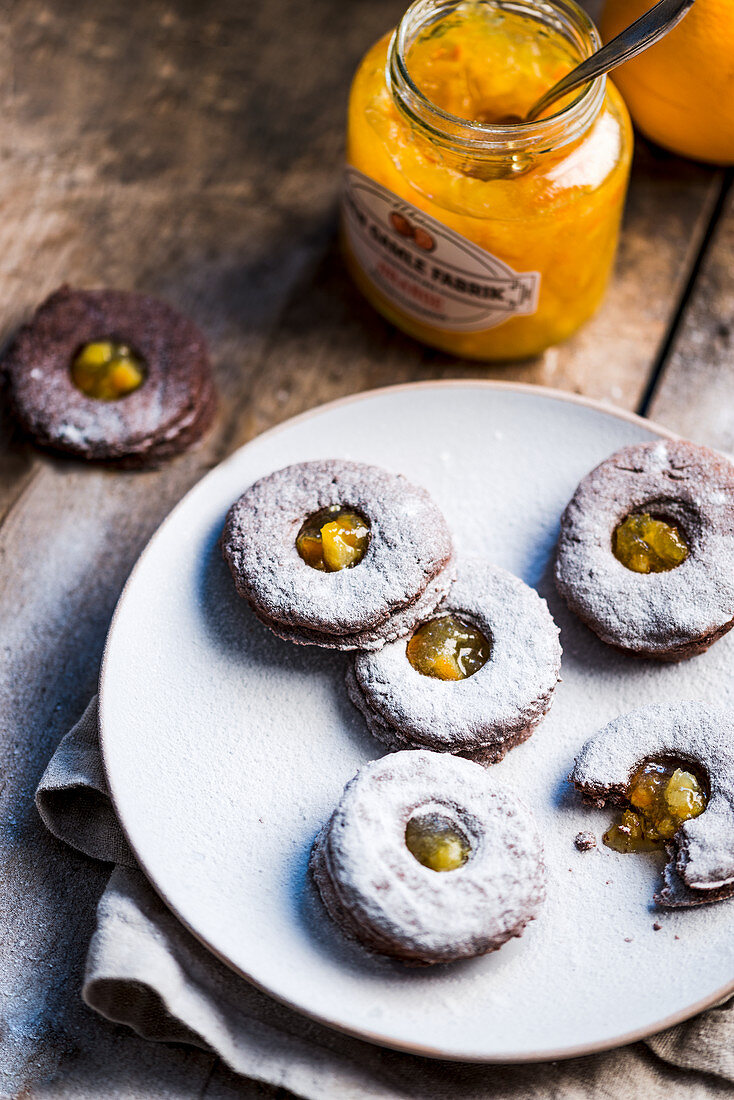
147,971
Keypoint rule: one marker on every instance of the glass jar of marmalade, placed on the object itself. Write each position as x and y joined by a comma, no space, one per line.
475,233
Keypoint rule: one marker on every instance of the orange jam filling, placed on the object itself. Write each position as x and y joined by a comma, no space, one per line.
448,649
661,797
488,65
333,539
436,843
647,545
107,370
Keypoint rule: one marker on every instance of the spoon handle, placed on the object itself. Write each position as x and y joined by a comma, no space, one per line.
646,30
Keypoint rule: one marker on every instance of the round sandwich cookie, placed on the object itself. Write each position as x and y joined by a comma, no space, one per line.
475,678
646,550
671,766
111,376
428,859
338,554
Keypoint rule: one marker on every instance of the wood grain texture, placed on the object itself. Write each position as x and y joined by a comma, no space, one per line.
695,393
329,342
192,150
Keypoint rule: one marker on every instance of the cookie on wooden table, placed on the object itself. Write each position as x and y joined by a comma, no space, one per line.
646,550
428,859
338,554
474,679
672,767
111,376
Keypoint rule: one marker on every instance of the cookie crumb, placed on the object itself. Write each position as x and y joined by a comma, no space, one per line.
657,926
585,841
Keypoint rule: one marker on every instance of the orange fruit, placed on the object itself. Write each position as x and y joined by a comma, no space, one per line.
681,91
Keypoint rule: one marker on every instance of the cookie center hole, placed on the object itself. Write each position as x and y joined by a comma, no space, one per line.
436,842
448,648
334,538
661,795
648,544
107,370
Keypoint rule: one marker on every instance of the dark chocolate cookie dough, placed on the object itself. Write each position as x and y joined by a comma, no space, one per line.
486,713
404,572
677,612
383,887
168,412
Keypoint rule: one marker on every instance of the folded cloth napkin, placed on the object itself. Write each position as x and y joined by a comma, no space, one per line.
147,971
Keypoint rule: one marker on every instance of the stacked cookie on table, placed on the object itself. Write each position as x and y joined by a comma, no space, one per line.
110,376
426,858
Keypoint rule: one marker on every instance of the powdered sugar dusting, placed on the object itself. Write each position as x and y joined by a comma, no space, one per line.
501,702
70,434
370,880
690,732
671,613
409,545
400,623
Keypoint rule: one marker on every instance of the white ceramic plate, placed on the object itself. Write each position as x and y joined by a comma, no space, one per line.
226,749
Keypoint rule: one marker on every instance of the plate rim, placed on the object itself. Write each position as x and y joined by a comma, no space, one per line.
417,1049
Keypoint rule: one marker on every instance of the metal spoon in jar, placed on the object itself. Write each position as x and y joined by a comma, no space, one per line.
644,32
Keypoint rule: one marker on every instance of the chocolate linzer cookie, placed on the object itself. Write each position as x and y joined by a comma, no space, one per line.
474,679
646,551
111,375
338,554
427,859
672,767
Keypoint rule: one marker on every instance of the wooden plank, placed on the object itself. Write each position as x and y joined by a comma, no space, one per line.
187,151
329,342
78,211
695,394
137,152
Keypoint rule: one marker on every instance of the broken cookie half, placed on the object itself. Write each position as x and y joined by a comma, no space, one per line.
671,766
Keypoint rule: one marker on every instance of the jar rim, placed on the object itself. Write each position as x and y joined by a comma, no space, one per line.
493,138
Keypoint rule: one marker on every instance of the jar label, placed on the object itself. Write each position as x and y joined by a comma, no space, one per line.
426,269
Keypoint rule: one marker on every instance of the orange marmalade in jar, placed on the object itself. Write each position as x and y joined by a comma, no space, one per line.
483,236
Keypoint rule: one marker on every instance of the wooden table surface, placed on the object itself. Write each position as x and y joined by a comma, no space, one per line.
191,148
